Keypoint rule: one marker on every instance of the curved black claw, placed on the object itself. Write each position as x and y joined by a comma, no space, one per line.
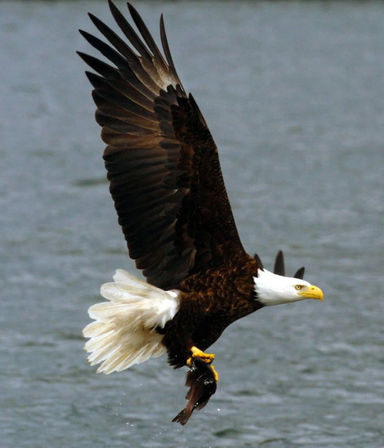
201,379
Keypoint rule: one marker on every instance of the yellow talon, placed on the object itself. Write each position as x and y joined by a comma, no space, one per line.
215,374
197,353
205,357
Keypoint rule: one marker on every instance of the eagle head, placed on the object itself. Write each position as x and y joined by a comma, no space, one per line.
274,288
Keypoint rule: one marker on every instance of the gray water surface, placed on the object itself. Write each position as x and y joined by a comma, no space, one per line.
294,95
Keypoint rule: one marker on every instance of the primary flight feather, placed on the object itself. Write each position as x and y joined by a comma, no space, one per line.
169,193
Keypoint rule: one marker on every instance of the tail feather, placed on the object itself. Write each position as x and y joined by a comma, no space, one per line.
95,329
123,333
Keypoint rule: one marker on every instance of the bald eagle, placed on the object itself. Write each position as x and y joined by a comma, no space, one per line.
169,194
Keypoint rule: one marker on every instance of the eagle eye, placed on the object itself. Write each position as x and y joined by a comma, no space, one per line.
299,287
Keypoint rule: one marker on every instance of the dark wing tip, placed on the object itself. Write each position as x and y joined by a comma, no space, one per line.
300,273
258,260
132,9
146,35
113,8
135,14
164,43
279,267
86,35
96,21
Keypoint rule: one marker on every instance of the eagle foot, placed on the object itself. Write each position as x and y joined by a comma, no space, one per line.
214,372
202,380
197,353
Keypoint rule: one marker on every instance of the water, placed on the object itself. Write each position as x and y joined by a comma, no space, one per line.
293,93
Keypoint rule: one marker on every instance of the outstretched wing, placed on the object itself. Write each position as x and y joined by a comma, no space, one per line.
162,162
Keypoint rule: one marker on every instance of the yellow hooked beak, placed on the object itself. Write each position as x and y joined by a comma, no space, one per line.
312,292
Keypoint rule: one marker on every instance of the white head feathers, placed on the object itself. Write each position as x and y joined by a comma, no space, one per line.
275,289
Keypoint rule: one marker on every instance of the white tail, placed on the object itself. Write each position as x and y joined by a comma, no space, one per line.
124,331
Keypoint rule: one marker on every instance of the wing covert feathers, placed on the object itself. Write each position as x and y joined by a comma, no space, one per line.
162,163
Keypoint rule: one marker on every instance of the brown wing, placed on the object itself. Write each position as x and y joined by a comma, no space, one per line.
162,162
